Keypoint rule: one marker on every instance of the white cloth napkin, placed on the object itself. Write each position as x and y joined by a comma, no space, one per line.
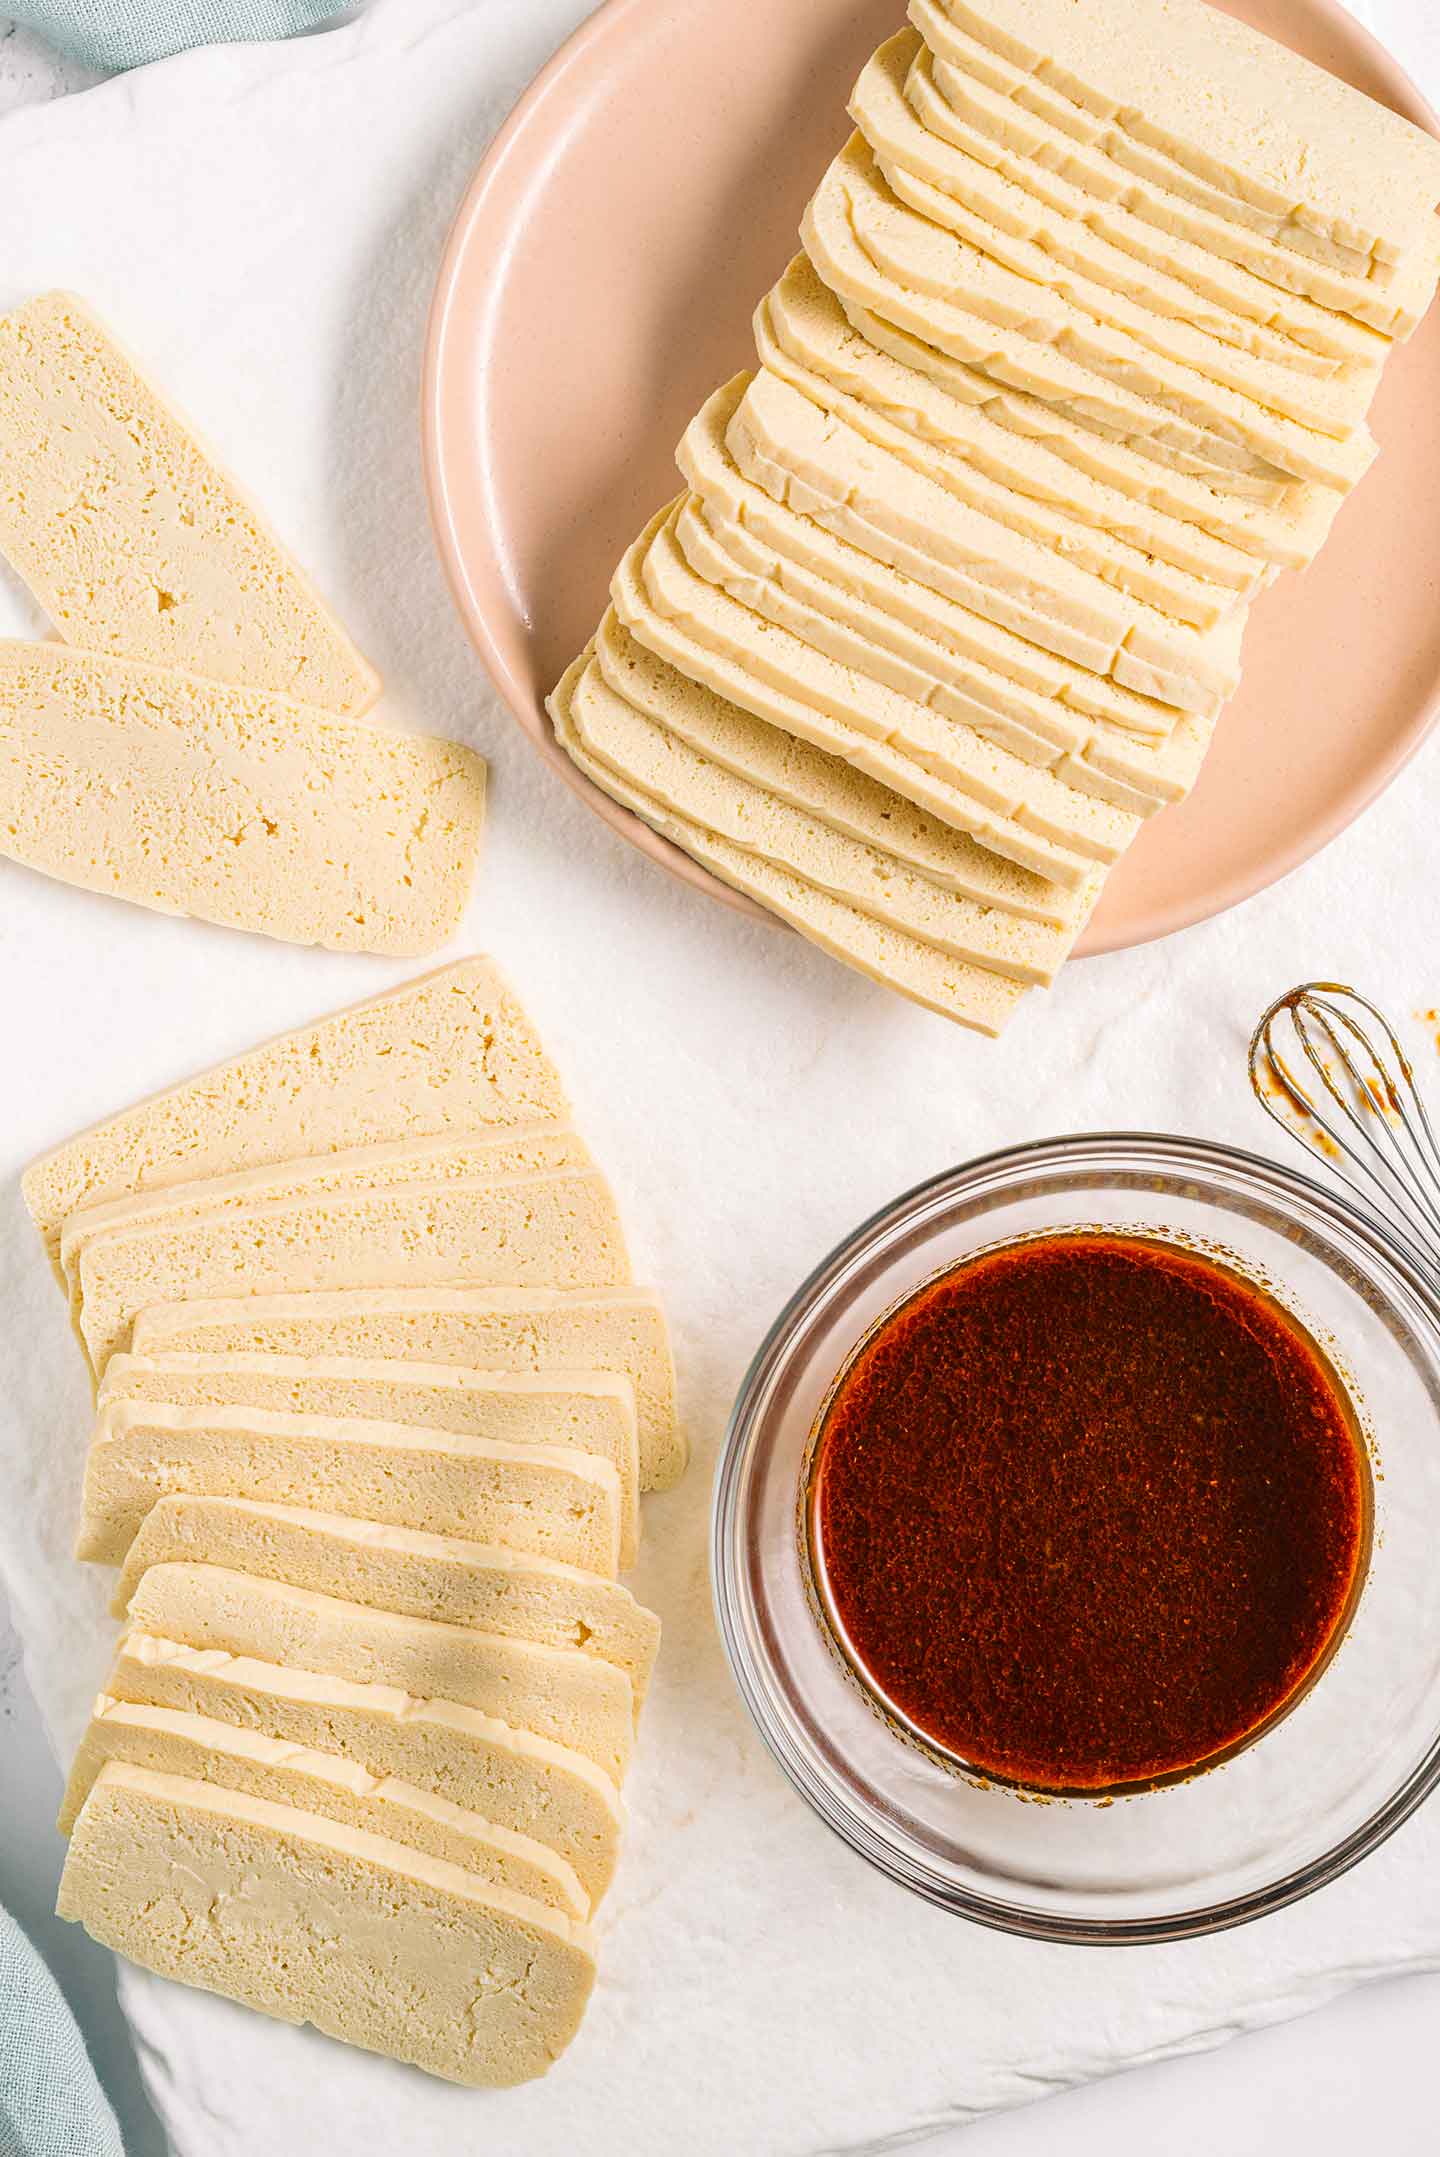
263,225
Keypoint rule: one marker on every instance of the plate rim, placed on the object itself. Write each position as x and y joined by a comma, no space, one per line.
441,384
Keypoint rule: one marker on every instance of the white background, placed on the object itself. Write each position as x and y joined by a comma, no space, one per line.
1359,2070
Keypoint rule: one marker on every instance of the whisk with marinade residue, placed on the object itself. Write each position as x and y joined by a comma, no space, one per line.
1329,1069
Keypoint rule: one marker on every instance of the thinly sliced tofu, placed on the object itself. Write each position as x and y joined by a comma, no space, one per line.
1012,361
552,1231
486,1329
133,539
1031,197
548,1500
247,1898
449,1053
527,1784
801,323
555,1692
1234,108
727,497
664,769
1083,752
980,1000
997,778
1329,443
826,787
825,468
937,180
803,335
234,806
1020,116
885,761
484,1585
524,1150
593,1411
170,1741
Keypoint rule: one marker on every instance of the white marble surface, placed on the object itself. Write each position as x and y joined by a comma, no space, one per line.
1361,2066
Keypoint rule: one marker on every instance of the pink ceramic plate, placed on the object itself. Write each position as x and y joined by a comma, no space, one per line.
599,283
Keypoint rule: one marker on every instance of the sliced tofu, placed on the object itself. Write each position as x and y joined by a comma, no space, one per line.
554,1231
557,1693
826,787
1037,203
247,1898
987,93
234,806
1251,119
485,1585
971,996
547,1500
525,1150
527,1784
488,1329
132,538
667,771
1328,443
819,464
834,367
937,180
170,1741
727,498
996,777
1013,361
1083,752
449,1053
891,764
589,1411
801,324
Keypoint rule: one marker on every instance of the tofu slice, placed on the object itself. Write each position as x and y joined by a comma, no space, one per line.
971,996
527,1784
590,1411
557,1693
554,1231
728,499
449,1053
133,539
889,762
998,776
795,449
1022,116
1328,443
1237,110
1136,775
486,1329
523,1150
938,181
836,369
826,787
460,1582
801,325
169,1741
661,768
234,806
1034,200
547,1500
247,1898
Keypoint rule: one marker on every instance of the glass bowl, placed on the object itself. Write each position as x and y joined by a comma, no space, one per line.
1324,1785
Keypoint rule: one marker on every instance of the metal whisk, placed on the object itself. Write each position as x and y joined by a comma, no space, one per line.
1329,1069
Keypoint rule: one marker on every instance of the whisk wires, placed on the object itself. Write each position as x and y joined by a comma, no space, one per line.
1329,1068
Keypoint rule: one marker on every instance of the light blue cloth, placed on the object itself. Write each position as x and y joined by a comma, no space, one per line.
126,33
51,2104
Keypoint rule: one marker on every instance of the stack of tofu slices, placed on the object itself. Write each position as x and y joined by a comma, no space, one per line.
377,1400
1077,357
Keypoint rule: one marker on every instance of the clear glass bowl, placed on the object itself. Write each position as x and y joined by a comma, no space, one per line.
1324,1785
